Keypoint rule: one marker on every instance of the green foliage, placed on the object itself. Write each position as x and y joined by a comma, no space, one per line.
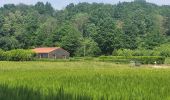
88,48
164,50
44,8
167,60
2,55
17,55
141,1
140,59
165,53
115,59
45,33
152,41
79,20
123,52
139,52
126,25
145,53
149,59
69,38
8,43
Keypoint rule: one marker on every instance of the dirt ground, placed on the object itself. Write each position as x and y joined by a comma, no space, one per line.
160,66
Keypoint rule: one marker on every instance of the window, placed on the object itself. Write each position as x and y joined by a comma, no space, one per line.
44,55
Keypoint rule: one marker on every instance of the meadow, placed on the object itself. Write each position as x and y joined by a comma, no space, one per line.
86,80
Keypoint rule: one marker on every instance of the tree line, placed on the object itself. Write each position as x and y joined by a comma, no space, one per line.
85,29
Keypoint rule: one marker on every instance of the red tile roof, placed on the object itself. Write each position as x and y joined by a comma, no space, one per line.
45,49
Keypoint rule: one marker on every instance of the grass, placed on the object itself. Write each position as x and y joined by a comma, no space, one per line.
82,81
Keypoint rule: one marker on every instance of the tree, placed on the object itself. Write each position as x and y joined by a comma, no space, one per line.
68,38
130,37
106,35
79,20
27,34
88,48
8,43
153,40
1,24
167,24
40,7
49,9
105,27
90,30
140,1
45,33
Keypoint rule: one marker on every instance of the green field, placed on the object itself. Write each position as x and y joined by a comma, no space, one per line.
82,81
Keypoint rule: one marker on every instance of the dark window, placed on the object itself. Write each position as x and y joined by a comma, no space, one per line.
44,55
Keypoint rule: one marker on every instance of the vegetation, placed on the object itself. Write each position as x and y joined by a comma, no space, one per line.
17,55
136,59
97,29
81,80
130,31
162,50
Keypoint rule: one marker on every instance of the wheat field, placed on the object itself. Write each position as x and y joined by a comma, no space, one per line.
82,81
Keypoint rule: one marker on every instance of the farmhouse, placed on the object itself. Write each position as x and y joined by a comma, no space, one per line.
51,52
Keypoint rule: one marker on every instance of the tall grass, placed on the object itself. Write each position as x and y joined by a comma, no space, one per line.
82,81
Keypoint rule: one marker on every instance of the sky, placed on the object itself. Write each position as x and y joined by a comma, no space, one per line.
60,4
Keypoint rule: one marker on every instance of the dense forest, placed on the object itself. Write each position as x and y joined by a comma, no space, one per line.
85,29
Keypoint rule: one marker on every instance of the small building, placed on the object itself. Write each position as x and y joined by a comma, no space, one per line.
51,52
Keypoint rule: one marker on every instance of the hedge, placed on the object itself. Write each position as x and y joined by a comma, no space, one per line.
17,55
83,59
156,52
139,59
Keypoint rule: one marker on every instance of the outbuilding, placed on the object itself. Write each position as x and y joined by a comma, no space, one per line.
51,52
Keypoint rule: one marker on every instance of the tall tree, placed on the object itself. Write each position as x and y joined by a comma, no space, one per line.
88,48
45,33
69,38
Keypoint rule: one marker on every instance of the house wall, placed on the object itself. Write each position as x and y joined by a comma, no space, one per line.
42,55
59,54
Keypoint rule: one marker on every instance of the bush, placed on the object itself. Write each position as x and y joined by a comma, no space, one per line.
140,59
115,59
146,53
17,55
123,52
2,55
128,52
164,50
138,53
83,59
149,59
165,53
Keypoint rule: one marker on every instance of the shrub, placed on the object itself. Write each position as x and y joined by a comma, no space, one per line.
2,55
141,59
165,53
115,53
17,55
82,59
145,53
149,59
115,59
138,52
123,52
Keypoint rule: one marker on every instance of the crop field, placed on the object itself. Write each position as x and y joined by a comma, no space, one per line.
82,81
